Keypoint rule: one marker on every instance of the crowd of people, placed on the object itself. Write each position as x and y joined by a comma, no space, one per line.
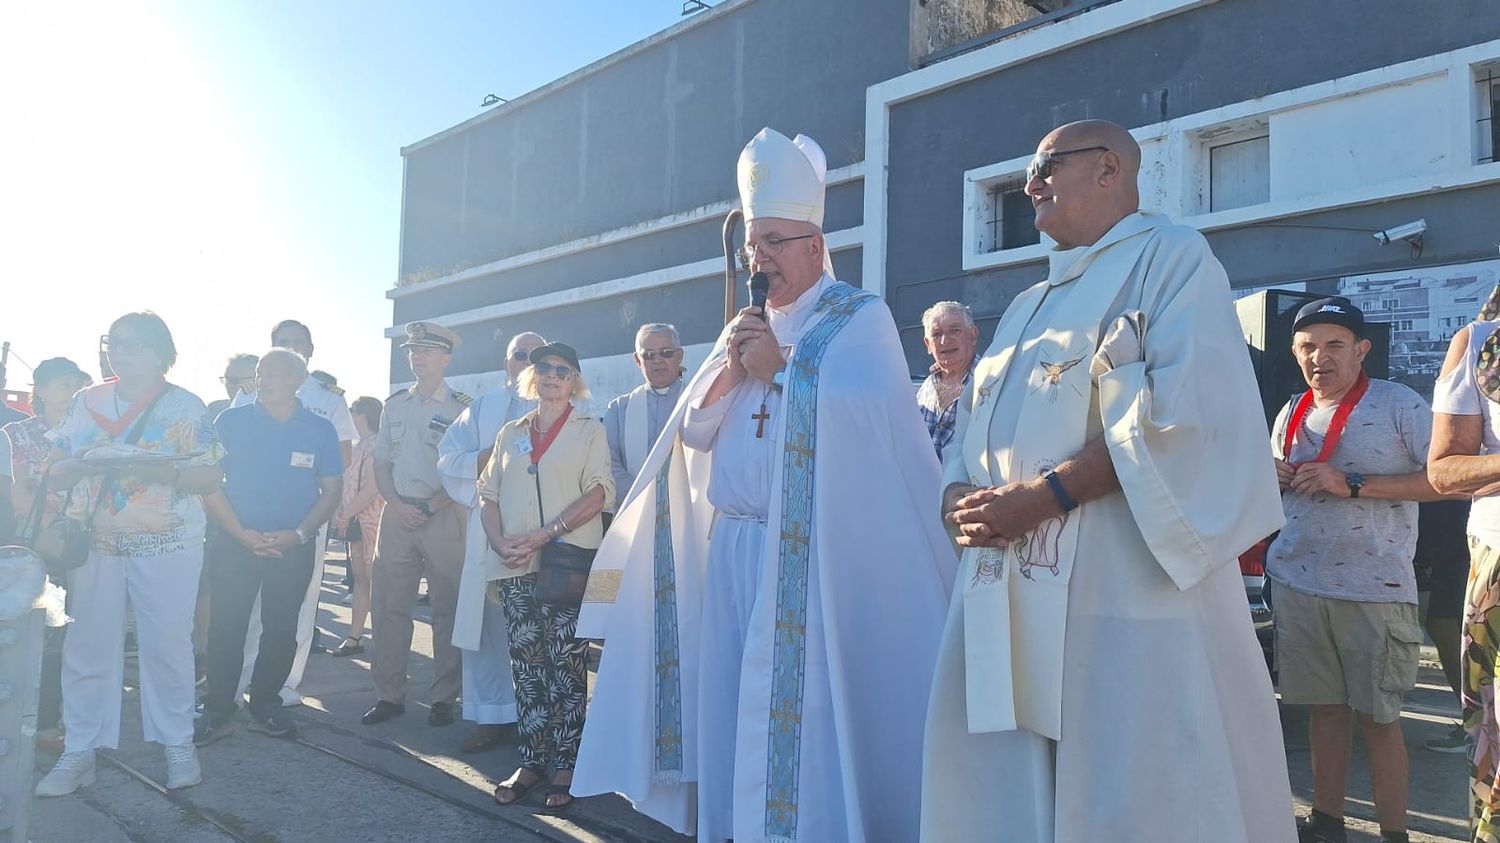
829,610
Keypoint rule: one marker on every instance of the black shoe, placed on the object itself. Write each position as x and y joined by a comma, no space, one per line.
382,712
441,714
211,727
276,723
1318,827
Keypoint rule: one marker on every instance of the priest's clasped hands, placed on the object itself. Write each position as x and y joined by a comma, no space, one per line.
753,348
995,516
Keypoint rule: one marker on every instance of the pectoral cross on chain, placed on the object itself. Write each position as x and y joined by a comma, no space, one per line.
760,421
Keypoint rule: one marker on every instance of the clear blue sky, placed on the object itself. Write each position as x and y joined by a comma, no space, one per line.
232,163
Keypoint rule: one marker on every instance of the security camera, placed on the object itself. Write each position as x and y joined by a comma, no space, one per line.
1411,232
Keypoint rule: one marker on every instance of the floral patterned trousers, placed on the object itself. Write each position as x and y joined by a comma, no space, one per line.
550,669
1481,663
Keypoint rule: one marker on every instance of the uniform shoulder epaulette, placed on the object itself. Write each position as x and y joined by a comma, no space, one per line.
398,393
462,398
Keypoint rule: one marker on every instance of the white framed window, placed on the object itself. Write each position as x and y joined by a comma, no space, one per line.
1002,217
1487,112
1239,172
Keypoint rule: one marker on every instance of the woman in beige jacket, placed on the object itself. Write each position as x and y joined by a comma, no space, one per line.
547,480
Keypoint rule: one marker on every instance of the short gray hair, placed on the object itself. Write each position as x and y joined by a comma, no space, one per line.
289,357
934,313
650,328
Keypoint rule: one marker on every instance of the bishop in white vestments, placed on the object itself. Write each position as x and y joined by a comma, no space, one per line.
489,692
772,590
1099,678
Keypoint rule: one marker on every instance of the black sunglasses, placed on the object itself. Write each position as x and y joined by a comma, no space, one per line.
520,355
1045,163
545,368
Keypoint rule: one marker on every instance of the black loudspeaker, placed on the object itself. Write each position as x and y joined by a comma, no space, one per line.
1266,318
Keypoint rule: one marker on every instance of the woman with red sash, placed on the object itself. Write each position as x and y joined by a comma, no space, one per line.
134,453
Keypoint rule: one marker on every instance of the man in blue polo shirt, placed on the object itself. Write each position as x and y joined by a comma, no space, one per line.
283,473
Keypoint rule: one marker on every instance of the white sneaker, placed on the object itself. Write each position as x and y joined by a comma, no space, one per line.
183,769
72,771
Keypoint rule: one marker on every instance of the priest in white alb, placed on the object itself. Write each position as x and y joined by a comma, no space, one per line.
479,629
1099,678
772,590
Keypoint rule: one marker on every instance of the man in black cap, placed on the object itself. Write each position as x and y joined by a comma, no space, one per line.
1350,456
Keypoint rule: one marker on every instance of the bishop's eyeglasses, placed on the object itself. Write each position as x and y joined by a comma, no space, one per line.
768,248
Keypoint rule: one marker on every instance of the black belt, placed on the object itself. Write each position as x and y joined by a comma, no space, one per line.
420,503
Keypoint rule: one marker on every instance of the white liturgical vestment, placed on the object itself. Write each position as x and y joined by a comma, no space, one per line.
707,753
1099,679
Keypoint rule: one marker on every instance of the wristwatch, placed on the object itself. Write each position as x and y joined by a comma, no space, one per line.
778,380
1356,482
302,538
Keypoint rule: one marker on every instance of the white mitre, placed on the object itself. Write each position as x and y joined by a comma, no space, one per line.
782,178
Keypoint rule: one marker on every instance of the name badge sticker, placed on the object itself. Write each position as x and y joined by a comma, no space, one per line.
523,446
302,460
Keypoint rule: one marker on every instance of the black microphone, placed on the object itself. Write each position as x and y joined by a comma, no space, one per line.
759,285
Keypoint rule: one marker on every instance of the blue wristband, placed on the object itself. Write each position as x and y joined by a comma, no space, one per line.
1064,500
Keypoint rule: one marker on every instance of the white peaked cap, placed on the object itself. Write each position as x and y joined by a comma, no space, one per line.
782,178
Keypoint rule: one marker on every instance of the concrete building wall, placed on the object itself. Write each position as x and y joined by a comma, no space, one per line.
595,203
1411,134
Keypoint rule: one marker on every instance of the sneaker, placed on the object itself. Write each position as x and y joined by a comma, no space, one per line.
183,769
211,727
275,723
1321,828
1455,741
72,771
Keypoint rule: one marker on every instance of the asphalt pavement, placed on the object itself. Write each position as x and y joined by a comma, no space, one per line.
404,780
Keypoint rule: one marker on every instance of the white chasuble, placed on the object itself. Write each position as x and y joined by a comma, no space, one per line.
843,626
472,433
1100,679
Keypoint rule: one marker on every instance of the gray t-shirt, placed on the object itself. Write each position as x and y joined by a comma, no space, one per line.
1346,548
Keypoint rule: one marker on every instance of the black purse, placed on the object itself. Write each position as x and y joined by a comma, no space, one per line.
65,543
562,569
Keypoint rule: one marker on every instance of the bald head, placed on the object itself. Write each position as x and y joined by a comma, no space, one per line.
521,344
1088,185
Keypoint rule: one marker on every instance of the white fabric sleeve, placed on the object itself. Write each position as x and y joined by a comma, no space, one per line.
1457,393
458,457
5,455
700,425
343,421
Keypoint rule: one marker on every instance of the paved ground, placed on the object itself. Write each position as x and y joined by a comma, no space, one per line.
404,780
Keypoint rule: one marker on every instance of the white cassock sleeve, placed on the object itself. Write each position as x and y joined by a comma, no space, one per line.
458,456
1184,426
700,425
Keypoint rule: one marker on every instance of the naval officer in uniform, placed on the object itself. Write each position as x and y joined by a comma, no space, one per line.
421,529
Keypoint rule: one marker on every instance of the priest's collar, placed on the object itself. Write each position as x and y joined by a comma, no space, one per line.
666,390
1064,265
804,302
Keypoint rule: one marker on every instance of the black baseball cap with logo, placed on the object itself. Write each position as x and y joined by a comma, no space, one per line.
1334,310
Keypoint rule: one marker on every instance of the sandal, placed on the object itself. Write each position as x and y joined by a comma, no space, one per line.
557,790
516,788
348,647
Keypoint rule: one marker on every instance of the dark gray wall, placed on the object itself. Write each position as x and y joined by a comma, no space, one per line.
1230,51
695,242
654,134
607,326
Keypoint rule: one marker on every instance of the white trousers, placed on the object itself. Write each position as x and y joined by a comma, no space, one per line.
307,622
163,591
489,688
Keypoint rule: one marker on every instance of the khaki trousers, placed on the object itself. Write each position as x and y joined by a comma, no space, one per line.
402,557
